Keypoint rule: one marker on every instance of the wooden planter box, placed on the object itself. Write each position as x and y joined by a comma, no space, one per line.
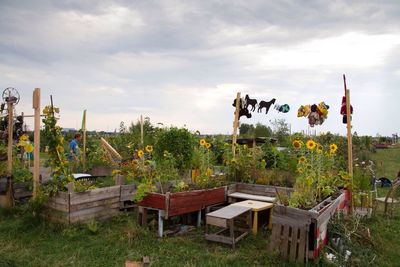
74,207
255,192
22,190
174,204
299,235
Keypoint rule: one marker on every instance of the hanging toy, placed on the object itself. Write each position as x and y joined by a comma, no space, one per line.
282,108
243,111
266,105
343,110
316,114
303,111
250,102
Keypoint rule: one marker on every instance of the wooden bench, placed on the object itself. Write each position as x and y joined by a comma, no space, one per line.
226,218
257,206
252,197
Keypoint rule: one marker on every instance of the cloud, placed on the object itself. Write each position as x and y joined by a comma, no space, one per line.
182,62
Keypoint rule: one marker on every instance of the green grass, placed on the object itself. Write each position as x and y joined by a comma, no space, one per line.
387,162
26,241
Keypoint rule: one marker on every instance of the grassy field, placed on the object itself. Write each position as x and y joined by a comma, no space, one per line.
387,162
28,241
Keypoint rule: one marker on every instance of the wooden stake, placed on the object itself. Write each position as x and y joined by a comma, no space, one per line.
84,140
10,137
235,124
141,130
36,142
111,152
349,141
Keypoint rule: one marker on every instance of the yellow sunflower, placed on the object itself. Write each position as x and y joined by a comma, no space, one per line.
140,153
29,148
310,144
60,149
297,144
302,159
207,145
332,148
24,137
149,148
319,148
203,142
299,170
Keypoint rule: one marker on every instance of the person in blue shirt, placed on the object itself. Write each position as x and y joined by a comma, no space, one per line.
74,148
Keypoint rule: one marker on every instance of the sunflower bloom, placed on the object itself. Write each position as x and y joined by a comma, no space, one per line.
203,142
24,137
149,148
310,144
140,153
332,148
319,148
29,148
297,144
299,170
302,159
60,149
207,145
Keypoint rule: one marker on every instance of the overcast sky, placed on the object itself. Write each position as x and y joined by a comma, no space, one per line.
182,62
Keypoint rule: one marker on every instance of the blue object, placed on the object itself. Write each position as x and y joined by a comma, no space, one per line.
73,147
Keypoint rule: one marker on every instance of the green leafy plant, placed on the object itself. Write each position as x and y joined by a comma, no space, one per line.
317,177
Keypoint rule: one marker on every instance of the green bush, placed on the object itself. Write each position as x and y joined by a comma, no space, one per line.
178,142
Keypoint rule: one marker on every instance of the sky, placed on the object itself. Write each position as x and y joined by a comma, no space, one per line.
181,63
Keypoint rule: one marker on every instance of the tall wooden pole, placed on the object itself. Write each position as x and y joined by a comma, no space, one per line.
10,136
141,130
235,124
349,140
36,141
84,140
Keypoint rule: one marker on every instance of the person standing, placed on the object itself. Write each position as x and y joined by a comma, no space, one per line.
74,151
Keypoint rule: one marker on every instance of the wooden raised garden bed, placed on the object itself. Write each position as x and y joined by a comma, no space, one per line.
299,235
22,191
174,204
243,191
81,207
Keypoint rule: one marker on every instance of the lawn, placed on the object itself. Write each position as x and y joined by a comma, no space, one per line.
29,241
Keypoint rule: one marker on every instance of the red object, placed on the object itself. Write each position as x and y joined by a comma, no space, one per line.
343,108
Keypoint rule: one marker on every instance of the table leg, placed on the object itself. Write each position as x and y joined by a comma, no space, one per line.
232,231
160,224
199,218
270,219
255,222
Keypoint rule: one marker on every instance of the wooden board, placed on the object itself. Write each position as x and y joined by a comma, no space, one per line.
153,200
22,190
229,212
94,195
252,197
88,205
128,192
262,190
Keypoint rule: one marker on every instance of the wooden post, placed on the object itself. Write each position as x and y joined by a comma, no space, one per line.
141,130
10,137
84,140
349,141
235,124
36,141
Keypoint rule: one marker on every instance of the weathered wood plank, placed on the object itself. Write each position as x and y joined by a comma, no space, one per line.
284,241
128,192
57,206
216,221
153,200
94,195
104,202
94,213
294,241
303,245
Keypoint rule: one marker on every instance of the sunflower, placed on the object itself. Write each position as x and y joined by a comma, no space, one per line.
140,153
149,148
60,149
297,144
332,148
299,170
319,148
302,159
207,145
310,144
203,142
29,148
24,137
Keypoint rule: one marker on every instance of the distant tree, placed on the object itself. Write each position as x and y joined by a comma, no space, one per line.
262,131
246,130
281,131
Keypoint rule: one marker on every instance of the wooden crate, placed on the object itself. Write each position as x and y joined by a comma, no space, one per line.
82,207
299,235
174,204
22,190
